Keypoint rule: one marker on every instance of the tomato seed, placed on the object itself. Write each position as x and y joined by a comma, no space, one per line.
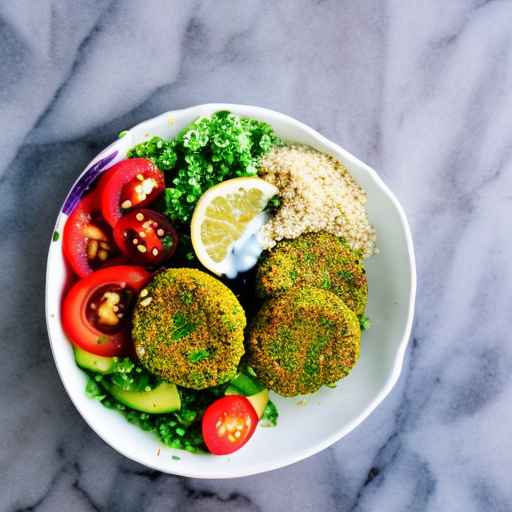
92,249
102,254
139,217
144,293
160,232
126,204
140,177
141,248
154,252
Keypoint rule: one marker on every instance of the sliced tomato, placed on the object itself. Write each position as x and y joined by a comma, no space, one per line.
228,424
96,310
87,241
128,184
146,237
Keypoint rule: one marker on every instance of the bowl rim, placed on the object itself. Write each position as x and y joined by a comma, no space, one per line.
400,352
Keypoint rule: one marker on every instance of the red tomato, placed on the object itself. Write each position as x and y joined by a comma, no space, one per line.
146,237
87,239
228,424
96,311
127,184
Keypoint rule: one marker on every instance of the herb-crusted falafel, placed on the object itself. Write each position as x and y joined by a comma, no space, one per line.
302,340
188,328
319,259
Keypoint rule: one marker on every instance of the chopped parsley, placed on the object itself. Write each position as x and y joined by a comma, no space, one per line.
182,326
364,322
186,298
167,241
198,356
270,415
347,276
326,282
55,236
274,204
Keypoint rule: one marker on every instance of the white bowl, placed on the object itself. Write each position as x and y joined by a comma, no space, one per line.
328,415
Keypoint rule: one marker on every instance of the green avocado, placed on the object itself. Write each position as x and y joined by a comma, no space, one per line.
94,363
250,388
259,401
164,398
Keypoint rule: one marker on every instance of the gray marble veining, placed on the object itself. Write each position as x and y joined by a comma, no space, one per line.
420,90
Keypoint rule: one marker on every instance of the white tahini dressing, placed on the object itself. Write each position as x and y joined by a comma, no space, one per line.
244,253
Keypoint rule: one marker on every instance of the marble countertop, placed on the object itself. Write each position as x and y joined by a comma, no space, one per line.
422,91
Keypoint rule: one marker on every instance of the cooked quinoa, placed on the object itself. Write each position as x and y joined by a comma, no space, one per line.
318,194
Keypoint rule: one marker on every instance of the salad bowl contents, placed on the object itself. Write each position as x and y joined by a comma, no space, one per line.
209,266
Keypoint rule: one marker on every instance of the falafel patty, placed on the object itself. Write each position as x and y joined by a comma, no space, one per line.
318,259
188,328
302,340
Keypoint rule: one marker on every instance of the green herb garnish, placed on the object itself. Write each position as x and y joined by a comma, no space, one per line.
274,204
94,390
347,276
55,236
167,241
270,415
182,326
198,355
364,322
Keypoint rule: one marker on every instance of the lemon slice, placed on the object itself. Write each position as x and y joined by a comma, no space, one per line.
226,222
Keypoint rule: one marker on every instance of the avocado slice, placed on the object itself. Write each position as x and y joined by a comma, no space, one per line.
164,398
92,362
259,401
250,388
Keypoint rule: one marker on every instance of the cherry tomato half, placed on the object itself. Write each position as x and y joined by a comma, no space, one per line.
130,183
96,311
87,238
228,424
146,237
